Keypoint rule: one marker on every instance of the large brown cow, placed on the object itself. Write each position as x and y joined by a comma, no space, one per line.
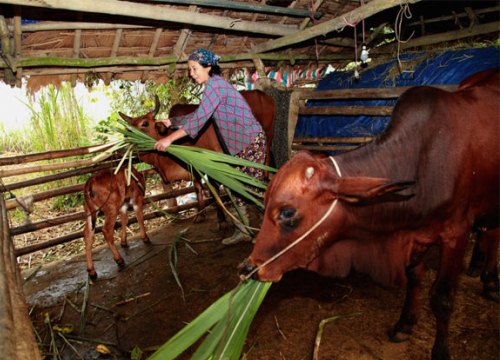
169,167
367,215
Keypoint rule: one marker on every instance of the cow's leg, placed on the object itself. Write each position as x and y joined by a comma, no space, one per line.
88,237
403,328
443,291
139,214
108,230
124,223
489,276
478,257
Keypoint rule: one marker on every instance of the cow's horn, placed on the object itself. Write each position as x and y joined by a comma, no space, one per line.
309,172
125,117
157,105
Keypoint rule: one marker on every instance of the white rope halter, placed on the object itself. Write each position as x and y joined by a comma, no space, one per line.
307,233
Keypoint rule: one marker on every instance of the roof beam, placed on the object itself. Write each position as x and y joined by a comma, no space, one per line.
241,6
155,61
353,16
154,12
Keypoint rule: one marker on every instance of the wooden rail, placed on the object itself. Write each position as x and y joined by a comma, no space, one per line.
84,164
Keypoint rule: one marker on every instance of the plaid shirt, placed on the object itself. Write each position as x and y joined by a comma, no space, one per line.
230,111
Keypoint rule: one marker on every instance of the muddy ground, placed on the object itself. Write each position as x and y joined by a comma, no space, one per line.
142,306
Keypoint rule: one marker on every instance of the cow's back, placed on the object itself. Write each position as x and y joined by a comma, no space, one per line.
450,144
208,137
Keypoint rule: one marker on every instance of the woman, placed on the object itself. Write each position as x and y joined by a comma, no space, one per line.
242,134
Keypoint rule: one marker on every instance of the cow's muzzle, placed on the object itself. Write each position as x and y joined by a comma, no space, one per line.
246,268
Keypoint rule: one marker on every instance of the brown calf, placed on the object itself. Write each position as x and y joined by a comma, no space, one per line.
109,194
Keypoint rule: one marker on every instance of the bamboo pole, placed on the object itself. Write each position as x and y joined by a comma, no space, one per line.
65,190
64,219
248,7
49,167
63,175
154,12
79,234
495,9
161,62
452,35
68,25
51,155
353,16
17,340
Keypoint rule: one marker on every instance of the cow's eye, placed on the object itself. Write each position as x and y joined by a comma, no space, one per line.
145,124
288,219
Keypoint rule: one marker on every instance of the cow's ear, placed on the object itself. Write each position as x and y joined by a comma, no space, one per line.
362,189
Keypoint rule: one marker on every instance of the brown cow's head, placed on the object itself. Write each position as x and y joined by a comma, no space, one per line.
146,123
297,197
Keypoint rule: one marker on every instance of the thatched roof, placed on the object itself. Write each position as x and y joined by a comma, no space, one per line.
52,40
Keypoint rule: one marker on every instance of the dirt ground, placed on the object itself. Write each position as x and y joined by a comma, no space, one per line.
284,328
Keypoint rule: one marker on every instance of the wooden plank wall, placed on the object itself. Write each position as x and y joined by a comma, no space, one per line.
298,107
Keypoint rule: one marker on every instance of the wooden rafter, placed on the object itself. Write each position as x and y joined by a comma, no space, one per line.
339,22
183,37
241,6
114,51
152,12
152,48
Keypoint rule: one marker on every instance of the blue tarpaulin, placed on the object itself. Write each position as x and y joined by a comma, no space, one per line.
446,68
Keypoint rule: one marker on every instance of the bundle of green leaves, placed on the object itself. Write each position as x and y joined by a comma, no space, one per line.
227,321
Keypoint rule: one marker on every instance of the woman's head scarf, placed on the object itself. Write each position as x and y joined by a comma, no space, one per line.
204,57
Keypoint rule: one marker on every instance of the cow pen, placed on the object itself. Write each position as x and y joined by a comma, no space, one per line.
349,298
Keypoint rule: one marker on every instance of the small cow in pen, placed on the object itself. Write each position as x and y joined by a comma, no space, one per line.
109,193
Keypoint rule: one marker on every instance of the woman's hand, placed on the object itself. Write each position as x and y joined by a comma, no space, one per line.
165,122
163,144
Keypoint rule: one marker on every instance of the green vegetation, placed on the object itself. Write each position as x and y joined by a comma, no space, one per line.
59,121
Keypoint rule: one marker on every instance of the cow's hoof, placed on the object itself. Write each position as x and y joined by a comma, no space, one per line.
398,336
473,271
146,240
491,295
124,245
120,263
92,274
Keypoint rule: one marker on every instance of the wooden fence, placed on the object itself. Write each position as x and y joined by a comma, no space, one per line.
67,169
17,338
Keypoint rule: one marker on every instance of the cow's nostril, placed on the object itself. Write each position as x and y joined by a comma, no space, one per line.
245,268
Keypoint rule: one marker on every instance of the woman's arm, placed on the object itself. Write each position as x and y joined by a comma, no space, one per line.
164,143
